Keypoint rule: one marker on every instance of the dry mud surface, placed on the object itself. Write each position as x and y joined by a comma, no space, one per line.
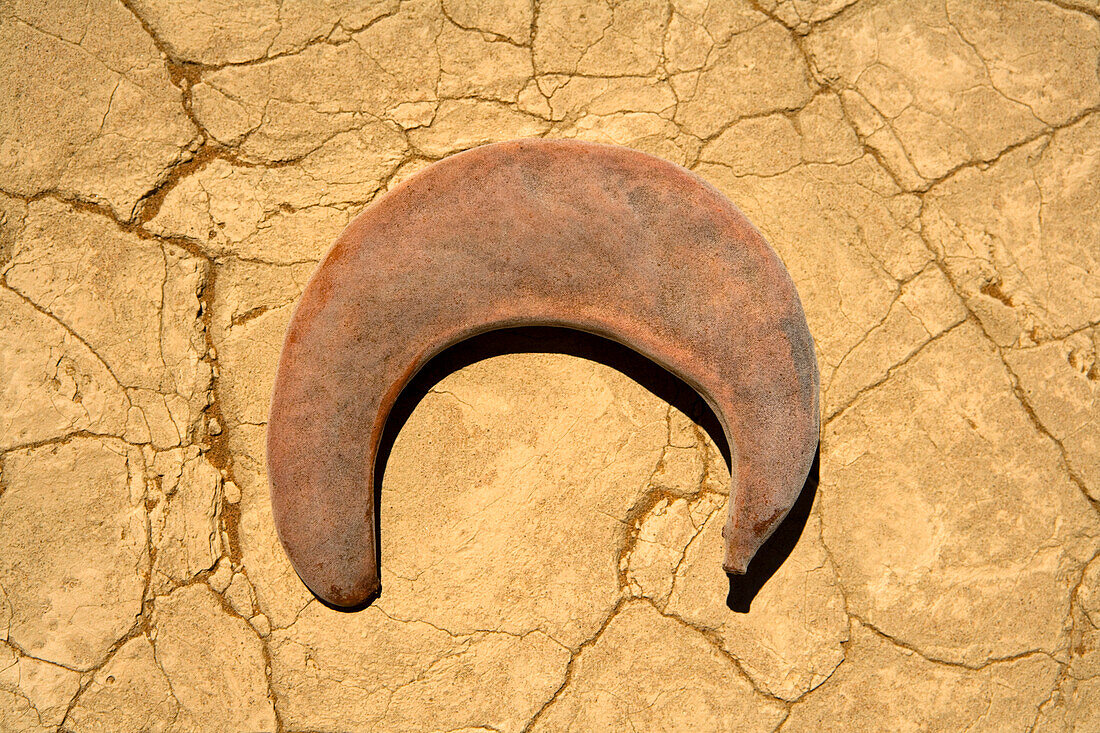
929,172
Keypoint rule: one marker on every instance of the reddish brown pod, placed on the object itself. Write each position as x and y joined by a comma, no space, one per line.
591,237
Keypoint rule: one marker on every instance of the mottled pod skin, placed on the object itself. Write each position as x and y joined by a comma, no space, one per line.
535,232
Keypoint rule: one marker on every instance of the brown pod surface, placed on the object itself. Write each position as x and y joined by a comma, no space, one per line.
592,237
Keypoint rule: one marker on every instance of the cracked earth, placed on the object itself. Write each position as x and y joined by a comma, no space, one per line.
171,173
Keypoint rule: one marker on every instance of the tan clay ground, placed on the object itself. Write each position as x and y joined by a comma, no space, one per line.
928,171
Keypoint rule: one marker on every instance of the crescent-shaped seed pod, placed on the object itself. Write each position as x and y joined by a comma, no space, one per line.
535,232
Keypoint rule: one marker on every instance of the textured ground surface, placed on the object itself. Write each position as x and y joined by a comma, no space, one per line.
929,172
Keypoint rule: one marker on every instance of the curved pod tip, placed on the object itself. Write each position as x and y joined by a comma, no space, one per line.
579,235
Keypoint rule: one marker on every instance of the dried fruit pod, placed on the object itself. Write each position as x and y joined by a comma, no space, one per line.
535,232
